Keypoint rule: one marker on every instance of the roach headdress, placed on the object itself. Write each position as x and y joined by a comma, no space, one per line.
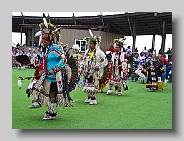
120,41
49,31
95,39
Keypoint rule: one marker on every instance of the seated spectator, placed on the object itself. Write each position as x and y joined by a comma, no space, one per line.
169,71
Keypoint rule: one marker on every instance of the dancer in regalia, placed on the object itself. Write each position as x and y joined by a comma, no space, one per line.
93,68
119,71
56,77
154,67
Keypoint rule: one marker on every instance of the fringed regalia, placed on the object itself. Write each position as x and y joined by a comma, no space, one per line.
93,78
65,81
153,67
61,82
118,69
118,73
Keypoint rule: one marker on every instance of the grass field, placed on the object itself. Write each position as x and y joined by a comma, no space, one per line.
136,109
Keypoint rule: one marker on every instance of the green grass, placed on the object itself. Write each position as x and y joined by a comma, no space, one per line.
136,109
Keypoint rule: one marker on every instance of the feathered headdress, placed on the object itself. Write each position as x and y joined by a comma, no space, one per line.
120,41
50,29
93,38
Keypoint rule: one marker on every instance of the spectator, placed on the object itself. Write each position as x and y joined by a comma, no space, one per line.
164,61
29,54
35,44
142,58
147,56
145,50
165,65
136,50
150,52
30,43
19,52
23,53
111,48
168,70
169,51
136,64
128,50
169,55
18,45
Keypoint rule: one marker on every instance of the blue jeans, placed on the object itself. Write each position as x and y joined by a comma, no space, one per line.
168,70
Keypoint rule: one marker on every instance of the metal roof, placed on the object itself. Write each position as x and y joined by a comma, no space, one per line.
147,23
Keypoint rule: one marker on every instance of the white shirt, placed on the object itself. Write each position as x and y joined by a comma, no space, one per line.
145,50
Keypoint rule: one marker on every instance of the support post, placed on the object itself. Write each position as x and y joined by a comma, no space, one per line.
32,37
153,42
134,36
163,37
21,36
129,24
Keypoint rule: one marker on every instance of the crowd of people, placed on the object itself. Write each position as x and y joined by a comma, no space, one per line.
34,56
59,69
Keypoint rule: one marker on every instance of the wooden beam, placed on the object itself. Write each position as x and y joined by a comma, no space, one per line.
122,32
67,26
